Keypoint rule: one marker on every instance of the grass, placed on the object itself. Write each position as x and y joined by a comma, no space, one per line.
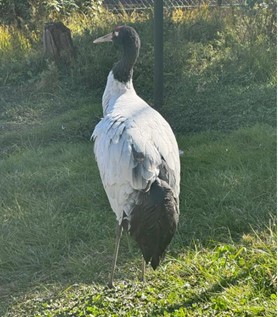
215,281
57,229
56,225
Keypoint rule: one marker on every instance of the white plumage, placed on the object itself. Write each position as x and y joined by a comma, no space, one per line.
130,123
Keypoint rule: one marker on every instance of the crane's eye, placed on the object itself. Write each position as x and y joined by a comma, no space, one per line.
117,31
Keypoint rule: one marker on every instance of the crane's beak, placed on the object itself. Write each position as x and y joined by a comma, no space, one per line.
105,38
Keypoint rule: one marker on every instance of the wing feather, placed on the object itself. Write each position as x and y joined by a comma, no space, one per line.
131,148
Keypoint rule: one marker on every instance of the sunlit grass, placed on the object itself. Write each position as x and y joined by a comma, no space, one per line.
217,281
12,41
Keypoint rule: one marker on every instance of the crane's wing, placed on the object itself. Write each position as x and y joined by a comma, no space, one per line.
132,150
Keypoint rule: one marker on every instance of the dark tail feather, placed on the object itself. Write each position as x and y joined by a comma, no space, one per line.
154,221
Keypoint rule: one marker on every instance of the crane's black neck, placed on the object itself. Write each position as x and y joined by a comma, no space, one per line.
123,69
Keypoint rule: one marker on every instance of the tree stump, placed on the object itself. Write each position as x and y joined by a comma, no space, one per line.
57,42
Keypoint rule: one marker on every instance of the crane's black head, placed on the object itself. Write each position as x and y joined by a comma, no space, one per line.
126,38
123,36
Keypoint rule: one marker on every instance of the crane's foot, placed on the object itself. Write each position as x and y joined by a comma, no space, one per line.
110,285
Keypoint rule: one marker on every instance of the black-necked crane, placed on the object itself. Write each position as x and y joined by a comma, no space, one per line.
138,158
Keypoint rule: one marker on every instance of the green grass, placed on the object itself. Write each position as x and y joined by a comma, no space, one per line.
56,225
57,229
216,281
233,108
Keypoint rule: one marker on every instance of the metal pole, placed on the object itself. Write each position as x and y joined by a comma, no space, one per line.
158,53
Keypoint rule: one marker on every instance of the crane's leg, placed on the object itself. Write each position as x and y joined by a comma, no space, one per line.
143,269
119,230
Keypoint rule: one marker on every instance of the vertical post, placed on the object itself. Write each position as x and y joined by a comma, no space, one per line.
158,53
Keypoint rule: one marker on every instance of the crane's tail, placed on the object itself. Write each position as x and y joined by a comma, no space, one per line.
154,221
